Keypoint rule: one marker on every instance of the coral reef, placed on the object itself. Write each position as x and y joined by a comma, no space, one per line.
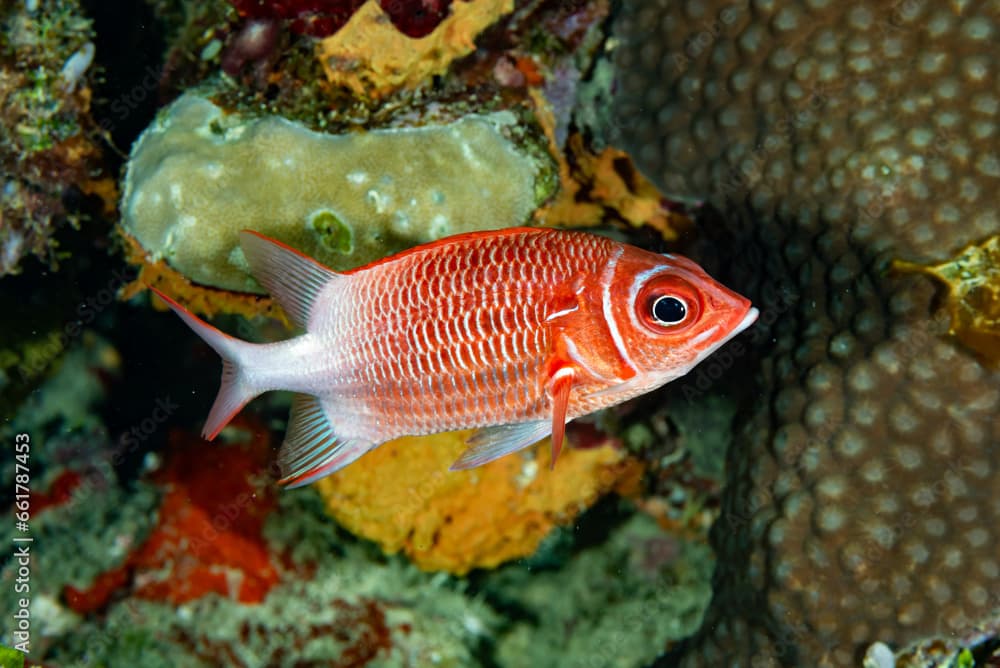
522,84
334,607
208,537
405,498
47,150
318,18
860,505
606,188
202,562
154,548
198,176
86,522
337,601
115,519
977,650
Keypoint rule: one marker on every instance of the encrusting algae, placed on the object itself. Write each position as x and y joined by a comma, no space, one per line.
403,497
973,280
372,58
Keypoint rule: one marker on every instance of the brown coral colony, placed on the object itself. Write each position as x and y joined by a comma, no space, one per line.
861,506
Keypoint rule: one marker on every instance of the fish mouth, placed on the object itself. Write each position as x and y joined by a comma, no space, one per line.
749,319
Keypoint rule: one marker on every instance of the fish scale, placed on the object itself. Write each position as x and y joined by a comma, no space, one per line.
505,330
513,332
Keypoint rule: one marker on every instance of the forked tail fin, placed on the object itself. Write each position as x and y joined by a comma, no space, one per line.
235,391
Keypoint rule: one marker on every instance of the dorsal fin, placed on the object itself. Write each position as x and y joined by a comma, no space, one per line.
291,277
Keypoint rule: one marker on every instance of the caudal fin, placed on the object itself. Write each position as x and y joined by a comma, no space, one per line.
235,391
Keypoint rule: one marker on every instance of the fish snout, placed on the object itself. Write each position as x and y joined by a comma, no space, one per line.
749,318
734,311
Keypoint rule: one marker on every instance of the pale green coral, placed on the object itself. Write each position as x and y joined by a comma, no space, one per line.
198,176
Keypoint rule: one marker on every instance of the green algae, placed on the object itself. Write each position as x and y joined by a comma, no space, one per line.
94,530
618,602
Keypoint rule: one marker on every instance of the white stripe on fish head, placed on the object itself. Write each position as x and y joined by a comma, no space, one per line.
637,283
607,279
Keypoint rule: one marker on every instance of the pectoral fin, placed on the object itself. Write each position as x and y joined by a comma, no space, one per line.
492,443
560,383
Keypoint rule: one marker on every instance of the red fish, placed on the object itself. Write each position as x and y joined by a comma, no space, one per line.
515,332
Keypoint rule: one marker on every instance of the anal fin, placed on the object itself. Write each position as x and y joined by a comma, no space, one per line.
312,448
491,443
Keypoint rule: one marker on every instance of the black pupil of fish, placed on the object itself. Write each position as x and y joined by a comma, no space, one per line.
669,310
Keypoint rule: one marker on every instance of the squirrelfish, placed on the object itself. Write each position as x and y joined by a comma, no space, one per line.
514,332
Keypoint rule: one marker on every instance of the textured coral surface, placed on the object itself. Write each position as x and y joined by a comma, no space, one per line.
208,537
413,18
862,497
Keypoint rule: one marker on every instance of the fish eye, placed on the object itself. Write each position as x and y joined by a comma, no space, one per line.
668,310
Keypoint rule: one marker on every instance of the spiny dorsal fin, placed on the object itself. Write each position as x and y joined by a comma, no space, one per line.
293,278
